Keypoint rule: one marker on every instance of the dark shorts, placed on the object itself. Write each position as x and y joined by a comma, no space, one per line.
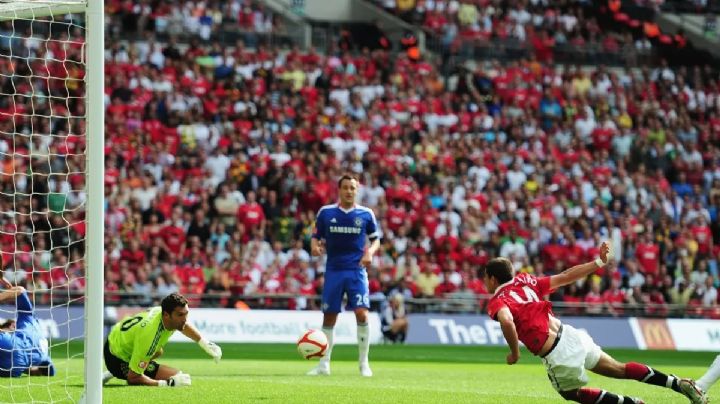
119,368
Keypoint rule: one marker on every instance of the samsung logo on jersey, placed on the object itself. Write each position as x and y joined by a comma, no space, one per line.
345,229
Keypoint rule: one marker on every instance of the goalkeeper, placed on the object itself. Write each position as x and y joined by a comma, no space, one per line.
23,349
134,343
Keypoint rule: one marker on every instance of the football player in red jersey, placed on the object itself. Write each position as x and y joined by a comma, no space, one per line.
525,317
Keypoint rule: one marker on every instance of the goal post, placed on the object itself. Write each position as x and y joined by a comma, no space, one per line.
95,269
87,213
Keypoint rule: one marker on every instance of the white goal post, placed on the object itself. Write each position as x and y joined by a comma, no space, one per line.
92,204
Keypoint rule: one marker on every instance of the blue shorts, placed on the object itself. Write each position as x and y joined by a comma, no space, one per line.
337,283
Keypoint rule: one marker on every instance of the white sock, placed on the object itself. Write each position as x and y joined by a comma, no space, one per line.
710,376
329,333
106,377
363,342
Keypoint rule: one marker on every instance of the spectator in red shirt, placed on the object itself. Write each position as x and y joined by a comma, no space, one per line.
593,299
446,285
553,252
648,255
251,213
173,238
133,255
703,235
574,254
614,298
572,300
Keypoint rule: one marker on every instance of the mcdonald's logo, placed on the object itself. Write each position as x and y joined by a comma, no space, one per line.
656,334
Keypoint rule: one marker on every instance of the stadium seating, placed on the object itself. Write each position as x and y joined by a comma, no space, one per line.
219,156
607,32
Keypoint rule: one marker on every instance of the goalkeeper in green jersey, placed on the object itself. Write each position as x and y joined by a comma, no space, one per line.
134,343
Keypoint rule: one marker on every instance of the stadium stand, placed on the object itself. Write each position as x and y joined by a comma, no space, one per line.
608,32
219,154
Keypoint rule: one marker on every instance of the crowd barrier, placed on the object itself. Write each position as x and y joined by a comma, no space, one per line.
285,326
630,332
482,330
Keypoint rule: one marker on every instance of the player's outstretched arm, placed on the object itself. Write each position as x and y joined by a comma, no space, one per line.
19,296
505,317
209,347
10,291
580,271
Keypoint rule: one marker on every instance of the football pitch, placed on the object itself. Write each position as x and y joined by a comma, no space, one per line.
274,373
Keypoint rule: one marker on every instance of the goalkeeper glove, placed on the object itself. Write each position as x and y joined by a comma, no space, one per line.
178,380
211,348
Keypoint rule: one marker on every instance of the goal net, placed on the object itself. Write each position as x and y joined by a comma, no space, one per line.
51,200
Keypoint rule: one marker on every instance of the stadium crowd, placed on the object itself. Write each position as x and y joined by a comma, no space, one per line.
218,158
201,19
543,25
231,162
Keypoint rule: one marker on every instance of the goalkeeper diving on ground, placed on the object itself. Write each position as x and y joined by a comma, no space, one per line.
23,348
135,342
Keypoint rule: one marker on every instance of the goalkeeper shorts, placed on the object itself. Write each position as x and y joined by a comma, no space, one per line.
119,368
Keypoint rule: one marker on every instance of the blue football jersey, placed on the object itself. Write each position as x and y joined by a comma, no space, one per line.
345,233
23,348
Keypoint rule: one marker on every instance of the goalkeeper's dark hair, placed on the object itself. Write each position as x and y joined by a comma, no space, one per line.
346,177
5,325
171,301
501,269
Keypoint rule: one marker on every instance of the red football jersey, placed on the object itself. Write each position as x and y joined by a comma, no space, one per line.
523,296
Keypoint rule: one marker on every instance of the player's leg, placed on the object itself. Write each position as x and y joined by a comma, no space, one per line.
567,374
359,301
106,377
119,368
566,366
116,367
328,328
711,375
608,366
331,305
587,395
42,365
160,372
363,338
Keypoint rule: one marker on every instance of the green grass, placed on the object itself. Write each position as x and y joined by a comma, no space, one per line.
267,373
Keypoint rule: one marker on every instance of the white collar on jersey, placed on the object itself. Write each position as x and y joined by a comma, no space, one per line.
346,210
502,286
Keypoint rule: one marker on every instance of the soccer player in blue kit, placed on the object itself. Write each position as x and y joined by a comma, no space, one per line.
342,229
23,348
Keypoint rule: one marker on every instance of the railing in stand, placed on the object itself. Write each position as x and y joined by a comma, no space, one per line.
451,303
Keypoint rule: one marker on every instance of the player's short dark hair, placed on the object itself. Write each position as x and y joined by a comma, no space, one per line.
345,177
171,301
501,269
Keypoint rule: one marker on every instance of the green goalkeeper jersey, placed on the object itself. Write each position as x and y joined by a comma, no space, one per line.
136,339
